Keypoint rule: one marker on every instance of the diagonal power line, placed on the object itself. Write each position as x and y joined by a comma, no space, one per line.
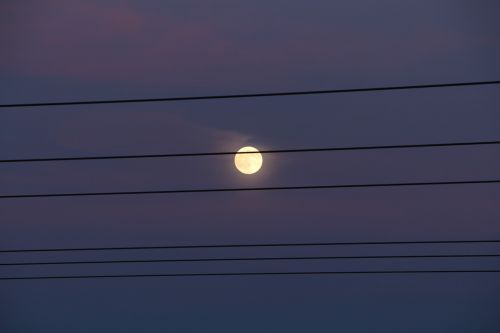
275,151
207,246
250,95
61,277
140,261
246,189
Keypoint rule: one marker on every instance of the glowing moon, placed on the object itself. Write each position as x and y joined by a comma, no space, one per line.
248,160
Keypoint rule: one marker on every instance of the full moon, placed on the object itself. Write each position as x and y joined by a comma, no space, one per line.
248,160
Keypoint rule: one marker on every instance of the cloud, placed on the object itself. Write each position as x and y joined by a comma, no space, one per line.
126,41
95,40
119,130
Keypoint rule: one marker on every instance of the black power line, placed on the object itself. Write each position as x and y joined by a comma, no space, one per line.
60,277
205,246
439,256
268,94
141,156
242,189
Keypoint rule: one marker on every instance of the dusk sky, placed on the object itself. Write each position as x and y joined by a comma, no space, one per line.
85,50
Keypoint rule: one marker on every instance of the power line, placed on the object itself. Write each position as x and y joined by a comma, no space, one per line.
59,277
205,246
141,156
246,189
251,95
439,256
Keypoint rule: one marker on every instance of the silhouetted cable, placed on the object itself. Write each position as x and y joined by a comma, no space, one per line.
60,277
254,95
430,256
275,151
246,189
205,246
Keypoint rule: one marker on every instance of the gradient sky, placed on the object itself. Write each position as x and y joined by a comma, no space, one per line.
76,50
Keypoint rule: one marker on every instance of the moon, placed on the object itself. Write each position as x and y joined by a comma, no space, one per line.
248,160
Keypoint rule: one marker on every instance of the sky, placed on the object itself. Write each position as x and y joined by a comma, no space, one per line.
78,50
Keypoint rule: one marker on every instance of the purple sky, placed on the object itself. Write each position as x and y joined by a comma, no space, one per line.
76,50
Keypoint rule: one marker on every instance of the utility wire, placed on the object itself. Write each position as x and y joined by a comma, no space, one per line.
205,246
60,277
116,157
439,256
254,95
242,189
